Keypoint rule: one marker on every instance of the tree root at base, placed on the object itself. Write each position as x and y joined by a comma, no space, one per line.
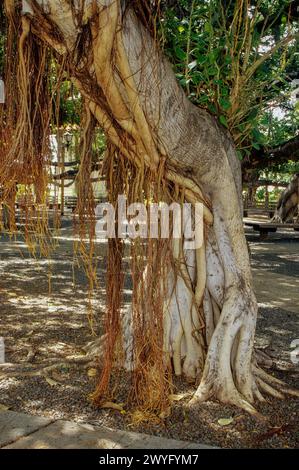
261,382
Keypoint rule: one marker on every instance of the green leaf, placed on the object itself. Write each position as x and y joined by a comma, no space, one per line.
239,154
201,59
212,108
257,136
225,104
180,53
212,71
203,99
223,120
181,29
183,81
228,60
208,27
196,77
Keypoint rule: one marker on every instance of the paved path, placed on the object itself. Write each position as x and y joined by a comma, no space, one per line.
275,268
21,431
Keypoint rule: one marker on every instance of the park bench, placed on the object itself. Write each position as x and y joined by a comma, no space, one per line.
265,227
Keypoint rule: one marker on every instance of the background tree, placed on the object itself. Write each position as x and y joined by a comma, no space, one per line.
288,203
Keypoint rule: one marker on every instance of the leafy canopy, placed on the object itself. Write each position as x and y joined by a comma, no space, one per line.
236,59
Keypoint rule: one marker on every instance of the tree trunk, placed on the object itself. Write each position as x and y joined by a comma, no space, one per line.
288,204
132,91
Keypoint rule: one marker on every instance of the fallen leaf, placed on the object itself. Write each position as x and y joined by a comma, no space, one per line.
113,406
225,421
165,414
3,407
178,397
92,372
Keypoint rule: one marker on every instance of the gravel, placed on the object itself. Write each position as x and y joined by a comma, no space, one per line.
39,325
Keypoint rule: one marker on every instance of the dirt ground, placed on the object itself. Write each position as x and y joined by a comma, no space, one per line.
39,326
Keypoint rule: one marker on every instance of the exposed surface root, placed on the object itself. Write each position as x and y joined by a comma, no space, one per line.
80,360
232,397
261,382
275,383
263,359
93,349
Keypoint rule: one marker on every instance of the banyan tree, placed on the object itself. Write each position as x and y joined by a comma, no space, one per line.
193,312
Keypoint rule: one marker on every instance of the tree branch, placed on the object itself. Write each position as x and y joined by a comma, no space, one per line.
267,157
251,70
